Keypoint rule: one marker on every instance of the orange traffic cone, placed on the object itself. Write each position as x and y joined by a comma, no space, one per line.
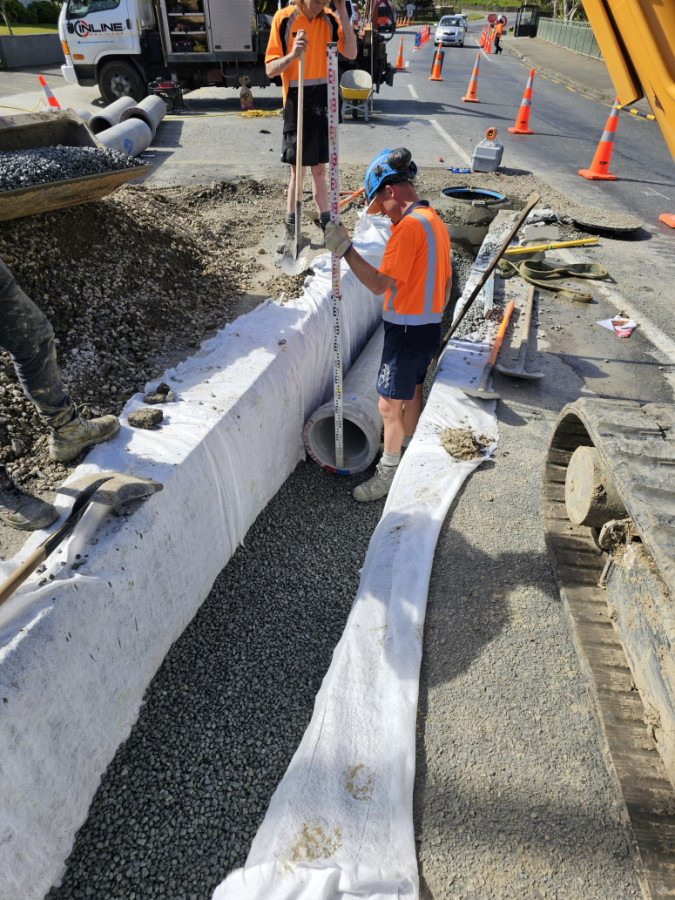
668,218
473,84
399,58
523,117
599,169
437,66
51,99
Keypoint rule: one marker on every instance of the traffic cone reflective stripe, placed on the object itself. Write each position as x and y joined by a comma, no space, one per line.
599,169
523,117
399,58
438,65
51,99
473,84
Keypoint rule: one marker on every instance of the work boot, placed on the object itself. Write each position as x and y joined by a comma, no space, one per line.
286,243
323,220
71,439
20,510
377,486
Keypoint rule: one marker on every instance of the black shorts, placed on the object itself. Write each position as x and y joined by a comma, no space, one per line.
315,149
406,355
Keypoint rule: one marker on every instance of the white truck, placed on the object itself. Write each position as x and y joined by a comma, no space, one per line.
123,45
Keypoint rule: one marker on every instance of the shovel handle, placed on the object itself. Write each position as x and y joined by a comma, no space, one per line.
17,577
298,142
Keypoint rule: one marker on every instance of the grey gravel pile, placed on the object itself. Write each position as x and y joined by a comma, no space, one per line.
24,168
184,796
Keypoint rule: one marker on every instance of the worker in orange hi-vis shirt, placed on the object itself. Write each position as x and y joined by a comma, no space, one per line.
499,28
415,277
307,26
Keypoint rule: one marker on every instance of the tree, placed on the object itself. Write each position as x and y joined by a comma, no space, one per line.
3,13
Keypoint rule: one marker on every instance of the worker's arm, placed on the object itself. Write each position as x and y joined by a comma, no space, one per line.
448,291
349,50
276,66
376,282
339,242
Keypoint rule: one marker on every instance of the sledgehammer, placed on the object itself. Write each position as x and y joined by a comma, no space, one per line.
483,391
519,371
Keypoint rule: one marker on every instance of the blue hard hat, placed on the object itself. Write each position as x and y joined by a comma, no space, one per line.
388,167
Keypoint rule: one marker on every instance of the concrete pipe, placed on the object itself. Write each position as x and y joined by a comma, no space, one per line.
131,137
111,115
362,422
150,110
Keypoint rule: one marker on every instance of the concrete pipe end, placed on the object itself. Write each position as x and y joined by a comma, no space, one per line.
359,448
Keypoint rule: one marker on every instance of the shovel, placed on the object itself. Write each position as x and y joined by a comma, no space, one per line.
519,371
296,260
108,488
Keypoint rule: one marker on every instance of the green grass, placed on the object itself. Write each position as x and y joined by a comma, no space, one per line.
30,29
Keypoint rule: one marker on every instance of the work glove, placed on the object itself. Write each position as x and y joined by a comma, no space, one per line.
337,239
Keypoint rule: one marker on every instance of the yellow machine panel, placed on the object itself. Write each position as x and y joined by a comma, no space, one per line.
637,40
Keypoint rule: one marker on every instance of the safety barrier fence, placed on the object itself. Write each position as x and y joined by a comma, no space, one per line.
576,36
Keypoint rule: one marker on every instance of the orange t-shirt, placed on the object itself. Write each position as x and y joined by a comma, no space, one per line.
323,29
417,257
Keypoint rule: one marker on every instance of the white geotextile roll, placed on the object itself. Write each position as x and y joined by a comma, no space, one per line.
340,825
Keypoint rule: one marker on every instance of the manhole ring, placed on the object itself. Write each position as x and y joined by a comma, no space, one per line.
474,196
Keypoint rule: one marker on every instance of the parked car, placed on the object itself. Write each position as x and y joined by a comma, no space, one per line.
450,32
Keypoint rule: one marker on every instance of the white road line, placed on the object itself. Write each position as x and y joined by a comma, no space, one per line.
413,92
451,143
649,191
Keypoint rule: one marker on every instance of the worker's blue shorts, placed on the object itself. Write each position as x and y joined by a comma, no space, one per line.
406,354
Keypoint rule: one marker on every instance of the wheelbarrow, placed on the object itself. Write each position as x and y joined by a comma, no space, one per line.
356,88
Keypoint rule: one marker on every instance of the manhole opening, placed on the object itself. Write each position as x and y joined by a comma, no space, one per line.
473,195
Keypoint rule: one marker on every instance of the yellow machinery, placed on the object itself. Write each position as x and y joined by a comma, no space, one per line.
637,40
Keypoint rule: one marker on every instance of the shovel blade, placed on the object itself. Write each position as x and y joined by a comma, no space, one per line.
296,260
481,395
115,488
520,373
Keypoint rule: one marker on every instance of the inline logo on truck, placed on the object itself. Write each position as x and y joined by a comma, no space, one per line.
84,29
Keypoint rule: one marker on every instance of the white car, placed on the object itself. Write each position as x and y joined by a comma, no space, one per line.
450,32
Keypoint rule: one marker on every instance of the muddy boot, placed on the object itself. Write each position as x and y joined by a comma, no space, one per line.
285,245
378,486
71,439
20,510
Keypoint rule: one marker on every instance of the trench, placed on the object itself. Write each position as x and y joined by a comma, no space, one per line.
185,794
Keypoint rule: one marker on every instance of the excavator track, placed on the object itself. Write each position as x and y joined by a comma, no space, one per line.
621,604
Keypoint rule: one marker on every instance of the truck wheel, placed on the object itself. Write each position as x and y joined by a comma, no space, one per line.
120,79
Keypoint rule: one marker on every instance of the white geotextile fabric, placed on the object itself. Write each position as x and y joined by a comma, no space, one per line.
77,653
340,823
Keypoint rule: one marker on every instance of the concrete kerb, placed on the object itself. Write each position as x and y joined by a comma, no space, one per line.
79,646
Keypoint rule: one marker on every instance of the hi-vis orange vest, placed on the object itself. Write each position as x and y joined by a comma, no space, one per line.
417,257
323,29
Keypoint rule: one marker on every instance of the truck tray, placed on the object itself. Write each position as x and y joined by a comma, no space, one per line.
47,129
40,198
